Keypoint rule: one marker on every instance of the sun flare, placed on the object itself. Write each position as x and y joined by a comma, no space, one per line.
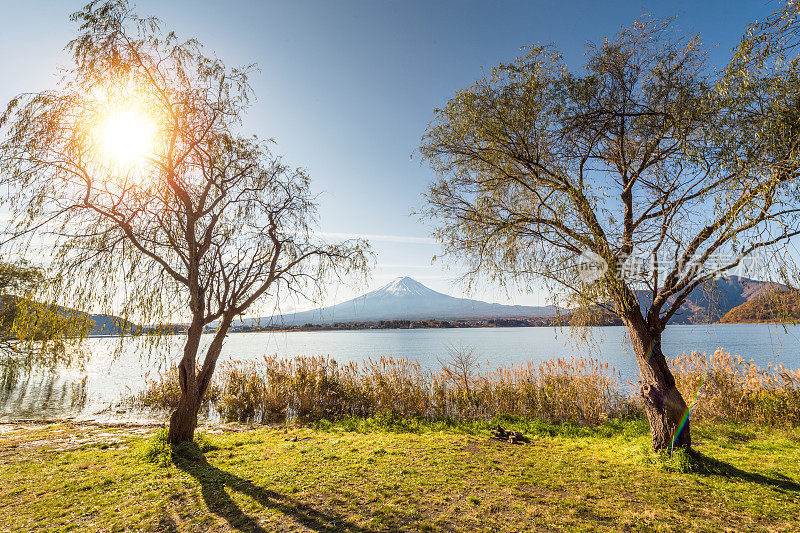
126,137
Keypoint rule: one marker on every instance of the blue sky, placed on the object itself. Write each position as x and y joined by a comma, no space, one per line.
347,88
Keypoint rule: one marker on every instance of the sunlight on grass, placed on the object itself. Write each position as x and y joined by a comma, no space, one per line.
436,478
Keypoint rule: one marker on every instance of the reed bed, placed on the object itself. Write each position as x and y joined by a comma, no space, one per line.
725,387
720,387
163,393
577,390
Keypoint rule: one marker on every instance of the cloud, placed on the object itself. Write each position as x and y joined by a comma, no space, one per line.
403,267
381,238
417,277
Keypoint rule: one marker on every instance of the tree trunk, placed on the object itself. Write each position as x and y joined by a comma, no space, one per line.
194,385
210,360
183,420
664,406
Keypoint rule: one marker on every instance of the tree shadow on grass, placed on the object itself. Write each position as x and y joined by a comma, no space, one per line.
213,484
699,463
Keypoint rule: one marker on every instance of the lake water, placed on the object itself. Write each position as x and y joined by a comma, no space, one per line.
106,378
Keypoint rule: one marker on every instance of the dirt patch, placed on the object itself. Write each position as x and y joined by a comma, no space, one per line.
66,435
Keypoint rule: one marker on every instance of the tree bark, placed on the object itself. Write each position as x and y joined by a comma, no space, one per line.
212,355
183,420
194,385
664,406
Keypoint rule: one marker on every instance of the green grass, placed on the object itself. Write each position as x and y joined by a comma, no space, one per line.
384,474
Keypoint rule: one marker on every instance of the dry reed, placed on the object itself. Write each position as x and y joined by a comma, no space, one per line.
163,393
584,391
725,387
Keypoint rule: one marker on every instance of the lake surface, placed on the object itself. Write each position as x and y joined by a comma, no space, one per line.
92,393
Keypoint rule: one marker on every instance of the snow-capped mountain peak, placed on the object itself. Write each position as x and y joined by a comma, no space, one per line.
406,299
405,286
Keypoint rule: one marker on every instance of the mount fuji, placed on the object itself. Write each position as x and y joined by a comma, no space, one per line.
405,299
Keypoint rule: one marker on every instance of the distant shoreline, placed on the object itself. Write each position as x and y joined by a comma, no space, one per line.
455,324
409,324
538,322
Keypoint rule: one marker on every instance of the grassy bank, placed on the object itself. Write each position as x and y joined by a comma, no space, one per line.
382,474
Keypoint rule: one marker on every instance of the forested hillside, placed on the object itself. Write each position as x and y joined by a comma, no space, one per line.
776,306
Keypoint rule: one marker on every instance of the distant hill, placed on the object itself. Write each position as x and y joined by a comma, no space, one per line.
770,307
705,305
63,317
111,325
710,303
405,299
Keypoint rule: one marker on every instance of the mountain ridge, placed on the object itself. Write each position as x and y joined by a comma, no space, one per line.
407,299
781,306
404,299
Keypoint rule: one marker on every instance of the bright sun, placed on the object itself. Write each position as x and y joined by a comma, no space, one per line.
127,136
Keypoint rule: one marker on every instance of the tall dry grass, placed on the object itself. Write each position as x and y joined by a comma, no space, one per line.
163,393
720,387
725,387
582,391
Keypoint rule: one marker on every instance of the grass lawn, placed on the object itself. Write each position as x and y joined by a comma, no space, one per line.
373,476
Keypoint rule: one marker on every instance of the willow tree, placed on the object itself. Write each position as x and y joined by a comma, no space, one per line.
132,177
16,281
648,166
33,334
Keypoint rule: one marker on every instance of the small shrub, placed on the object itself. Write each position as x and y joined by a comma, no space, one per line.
684,461
680,461
204,443
158,451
